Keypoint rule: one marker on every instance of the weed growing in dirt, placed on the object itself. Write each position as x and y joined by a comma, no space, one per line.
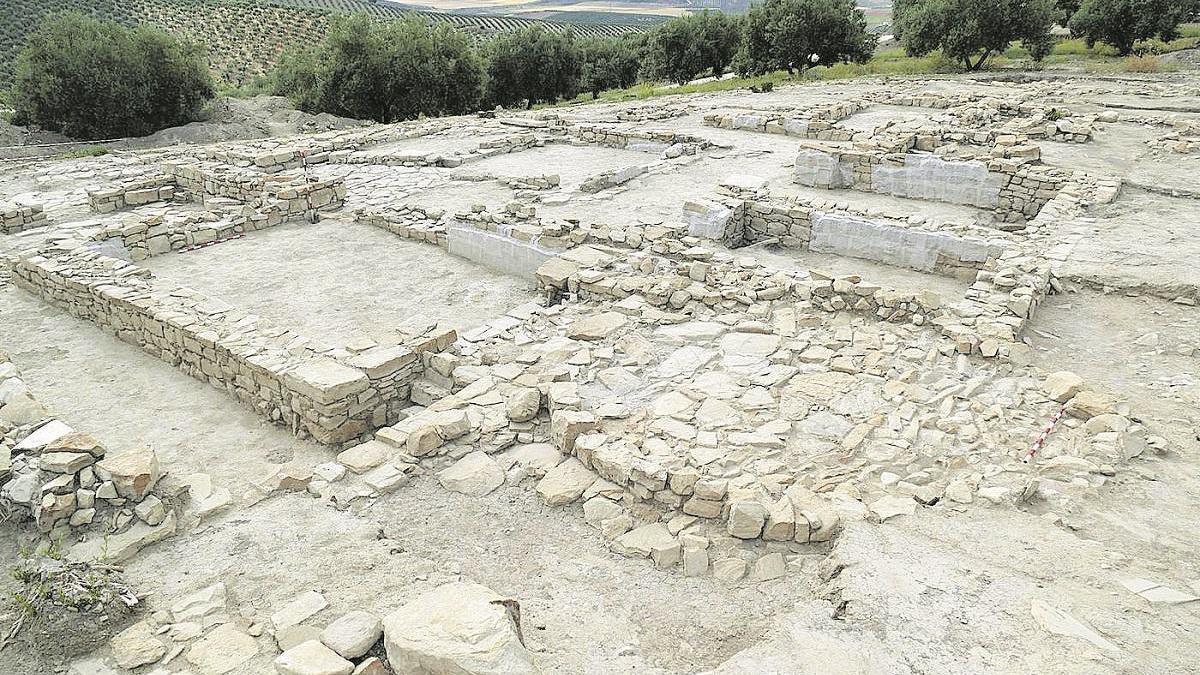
48,583
89,151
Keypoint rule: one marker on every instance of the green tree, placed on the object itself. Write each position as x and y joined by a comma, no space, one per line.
1121,23
607,63
94,79
1066,9
532,65
675,51
385,71
971,31
785,34
720,35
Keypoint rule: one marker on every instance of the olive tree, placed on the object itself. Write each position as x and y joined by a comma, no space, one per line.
787,34
532,65
970,31
385,71
674,51
607,63
1121,23
94,79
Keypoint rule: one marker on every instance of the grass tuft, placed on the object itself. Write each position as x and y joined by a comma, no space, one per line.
80,153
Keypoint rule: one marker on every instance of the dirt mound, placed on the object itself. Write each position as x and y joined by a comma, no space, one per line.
1184,59
232,119
223,119
11,134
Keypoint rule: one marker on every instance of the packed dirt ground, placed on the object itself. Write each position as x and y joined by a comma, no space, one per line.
877,377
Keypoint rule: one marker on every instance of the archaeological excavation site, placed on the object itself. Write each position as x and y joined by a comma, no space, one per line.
885,376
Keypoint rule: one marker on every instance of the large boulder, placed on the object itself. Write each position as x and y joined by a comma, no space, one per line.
455,629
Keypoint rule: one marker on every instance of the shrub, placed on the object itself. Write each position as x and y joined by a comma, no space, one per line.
785,34
89,151
970,31
1141,64
92,79
387,72
1121,23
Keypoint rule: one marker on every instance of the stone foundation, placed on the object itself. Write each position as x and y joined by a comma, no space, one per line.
1014,188
16,218
133,193
328,394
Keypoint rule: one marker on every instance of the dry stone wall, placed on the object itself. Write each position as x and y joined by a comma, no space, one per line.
282,197
915,249
819,123
487,148
331,395
136,192
739,222
16,218
1013,187
668,143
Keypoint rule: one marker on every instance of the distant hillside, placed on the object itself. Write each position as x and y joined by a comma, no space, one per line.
244,38
639,9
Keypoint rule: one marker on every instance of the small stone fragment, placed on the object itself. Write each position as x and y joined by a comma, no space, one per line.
476,474
352,634
136,646
565,483
312,658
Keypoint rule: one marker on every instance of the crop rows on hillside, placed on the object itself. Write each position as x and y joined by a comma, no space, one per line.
486,23
243,38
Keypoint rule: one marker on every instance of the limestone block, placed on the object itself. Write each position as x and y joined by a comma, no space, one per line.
352,634
746,519
565,483
476,474
133,472
326,381
456,628
312,658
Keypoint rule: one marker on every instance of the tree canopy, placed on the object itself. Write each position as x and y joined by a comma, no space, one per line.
387,72
970,31
94,79
532,65
684,47
786,34
1121,23
607,63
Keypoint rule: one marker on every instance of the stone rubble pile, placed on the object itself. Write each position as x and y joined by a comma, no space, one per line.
668,422
457,627
71,487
